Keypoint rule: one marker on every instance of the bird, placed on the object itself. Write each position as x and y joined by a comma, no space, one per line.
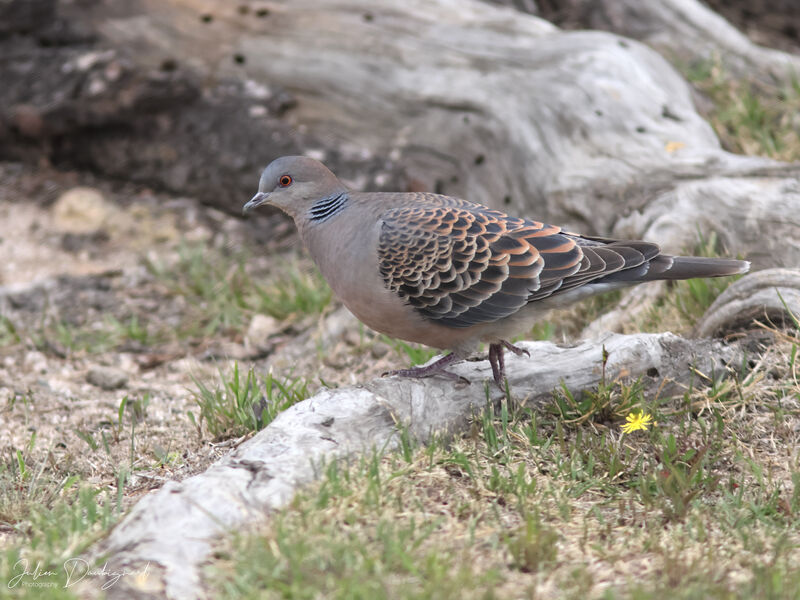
449,273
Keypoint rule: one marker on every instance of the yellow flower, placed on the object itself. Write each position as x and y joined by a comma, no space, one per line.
637,421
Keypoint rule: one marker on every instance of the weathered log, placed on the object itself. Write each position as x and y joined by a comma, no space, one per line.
770,295
755,217
174,528
75,101
577,128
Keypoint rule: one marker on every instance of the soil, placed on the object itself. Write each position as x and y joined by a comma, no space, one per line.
50,276
57,284
57,277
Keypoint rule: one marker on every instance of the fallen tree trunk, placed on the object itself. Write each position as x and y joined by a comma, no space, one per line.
174,528
770,296
754,217
576,128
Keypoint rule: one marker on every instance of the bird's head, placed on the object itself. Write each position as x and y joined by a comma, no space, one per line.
294,184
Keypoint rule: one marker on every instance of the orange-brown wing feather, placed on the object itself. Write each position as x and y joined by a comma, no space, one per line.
461,264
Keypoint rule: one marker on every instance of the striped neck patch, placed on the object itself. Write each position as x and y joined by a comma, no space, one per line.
327,207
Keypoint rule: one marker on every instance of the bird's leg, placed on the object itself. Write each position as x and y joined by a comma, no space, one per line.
436,368
498,363
497,359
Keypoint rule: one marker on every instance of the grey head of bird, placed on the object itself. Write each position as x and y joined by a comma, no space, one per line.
295,184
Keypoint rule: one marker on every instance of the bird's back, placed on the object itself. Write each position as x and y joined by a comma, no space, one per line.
461,264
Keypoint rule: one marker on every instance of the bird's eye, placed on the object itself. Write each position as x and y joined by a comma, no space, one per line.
285,181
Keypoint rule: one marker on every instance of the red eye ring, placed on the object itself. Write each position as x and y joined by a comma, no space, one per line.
285,180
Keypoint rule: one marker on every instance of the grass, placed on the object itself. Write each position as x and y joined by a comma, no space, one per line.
8,332
563,325
417,354
54,517
555,503
559,502
25,485
97,337
240,405
686,301
678,310
551,501
608,402
57,498
750,118
223,294
217,293
57,537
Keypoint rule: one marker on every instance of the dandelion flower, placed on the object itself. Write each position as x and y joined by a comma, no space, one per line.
636,421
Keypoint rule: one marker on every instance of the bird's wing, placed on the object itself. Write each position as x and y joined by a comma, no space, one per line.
461,264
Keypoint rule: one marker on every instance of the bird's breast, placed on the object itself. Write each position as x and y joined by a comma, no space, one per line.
348,260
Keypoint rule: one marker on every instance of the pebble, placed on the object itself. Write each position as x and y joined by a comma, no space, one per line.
353,337
261,327
379,350
35,361
81,210
107,378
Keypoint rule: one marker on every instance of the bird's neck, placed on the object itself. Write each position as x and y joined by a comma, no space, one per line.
327,207
341,237
315,223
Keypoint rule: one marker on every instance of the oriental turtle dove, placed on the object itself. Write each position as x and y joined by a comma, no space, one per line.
450,273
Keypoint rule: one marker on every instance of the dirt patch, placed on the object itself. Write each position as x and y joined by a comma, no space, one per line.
105,329
73,304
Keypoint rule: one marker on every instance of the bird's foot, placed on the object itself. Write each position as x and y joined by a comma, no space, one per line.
498,362
435,368
515,349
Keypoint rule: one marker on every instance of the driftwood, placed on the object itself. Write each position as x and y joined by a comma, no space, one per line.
173,529
770,295
72,99
585,129
755,217
578,128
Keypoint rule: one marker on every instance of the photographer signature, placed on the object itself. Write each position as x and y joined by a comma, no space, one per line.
75,570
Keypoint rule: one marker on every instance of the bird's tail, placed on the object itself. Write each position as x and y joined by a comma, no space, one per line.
669,267
689,267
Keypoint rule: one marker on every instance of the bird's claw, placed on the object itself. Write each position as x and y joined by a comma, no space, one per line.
515,349
414,373
436,368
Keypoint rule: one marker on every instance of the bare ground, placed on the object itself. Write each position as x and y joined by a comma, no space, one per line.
81,292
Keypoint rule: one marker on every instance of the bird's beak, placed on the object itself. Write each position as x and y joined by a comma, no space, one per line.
259,199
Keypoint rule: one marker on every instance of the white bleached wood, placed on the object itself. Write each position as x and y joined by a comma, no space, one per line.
482,102
689,31
764,295
756,217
